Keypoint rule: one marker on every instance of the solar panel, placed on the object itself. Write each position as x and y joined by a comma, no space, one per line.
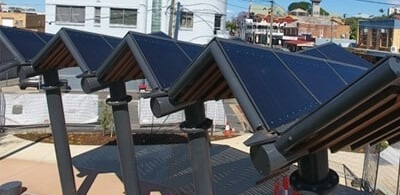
334,52
161,34
93,48
193,50
277,93
286,86
311,70
165,58
27,43
348,73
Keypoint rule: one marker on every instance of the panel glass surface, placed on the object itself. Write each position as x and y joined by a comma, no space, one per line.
348,73
165,58
313,52
160,34
337,53
113,41
27,43
45,36
315,74
192,50
92,47
278,95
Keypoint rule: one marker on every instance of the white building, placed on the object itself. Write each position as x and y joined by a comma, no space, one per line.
200,20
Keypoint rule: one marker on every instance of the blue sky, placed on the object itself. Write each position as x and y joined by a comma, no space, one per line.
349,7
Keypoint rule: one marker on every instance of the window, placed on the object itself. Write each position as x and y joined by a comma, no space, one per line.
217,21
126,17
97,15
70,14
187,19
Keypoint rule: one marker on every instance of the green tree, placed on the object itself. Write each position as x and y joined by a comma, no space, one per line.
306,6
302,5
353,23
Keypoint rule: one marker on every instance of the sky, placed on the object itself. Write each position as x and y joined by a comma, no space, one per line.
339,7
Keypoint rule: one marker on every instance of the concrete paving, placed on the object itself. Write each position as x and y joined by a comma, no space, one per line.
162,169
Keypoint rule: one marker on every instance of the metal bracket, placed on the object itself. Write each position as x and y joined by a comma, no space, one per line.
321,187
47,88
189,128
111,102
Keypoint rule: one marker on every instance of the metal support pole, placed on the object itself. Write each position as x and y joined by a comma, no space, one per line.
196,126
271,25
177,20
119,102
59,131
171,17
314,175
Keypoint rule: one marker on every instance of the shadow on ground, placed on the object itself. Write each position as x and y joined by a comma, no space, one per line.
166,168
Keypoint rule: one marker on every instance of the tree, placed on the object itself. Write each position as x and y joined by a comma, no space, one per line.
305,6
302,5
353,22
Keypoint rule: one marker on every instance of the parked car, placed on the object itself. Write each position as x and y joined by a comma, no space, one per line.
36,82
30,82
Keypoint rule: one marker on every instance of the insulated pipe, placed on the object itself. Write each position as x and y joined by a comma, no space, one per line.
59,131
119,102
196,126
161,106
92,84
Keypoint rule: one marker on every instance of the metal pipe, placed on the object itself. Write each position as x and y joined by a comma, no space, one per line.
314,175
196,126
119,102
59,131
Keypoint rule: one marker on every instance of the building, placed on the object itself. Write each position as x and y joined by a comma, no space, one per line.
199,22
381,35
21,17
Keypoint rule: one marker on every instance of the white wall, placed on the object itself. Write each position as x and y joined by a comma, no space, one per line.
202,31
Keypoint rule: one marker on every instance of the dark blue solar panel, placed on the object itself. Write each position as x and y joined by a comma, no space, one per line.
45,37
337,53
348,73
113,41
164,56
315,74
193,50
313,52
92,47
276,92
161,34
27,43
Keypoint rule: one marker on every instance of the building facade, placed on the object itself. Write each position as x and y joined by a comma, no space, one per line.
30,21
382,35
199,22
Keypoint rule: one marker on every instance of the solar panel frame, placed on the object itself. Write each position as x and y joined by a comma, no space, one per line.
333,52
24,47
131,39
216,51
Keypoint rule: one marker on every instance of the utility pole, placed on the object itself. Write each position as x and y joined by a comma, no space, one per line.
177,20
171,17
271,22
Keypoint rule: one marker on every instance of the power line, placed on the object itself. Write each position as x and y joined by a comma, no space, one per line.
379,2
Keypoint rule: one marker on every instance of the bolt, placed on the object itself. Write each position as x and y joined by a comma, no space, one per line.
290,138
